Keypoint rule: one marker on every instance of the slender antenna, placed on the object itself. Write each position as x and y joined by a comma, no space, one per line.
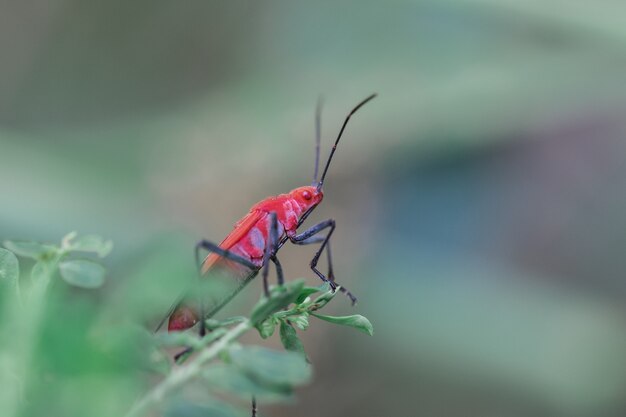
332,151
318,135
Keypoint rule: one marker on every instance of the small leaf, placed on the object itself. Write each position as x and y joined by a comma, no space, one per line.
271,366
65,240
27,249
280,297
290,339
357,321
41,273
323,299
82,273
301,321
9,271
307,291
91,243
230,379
266,327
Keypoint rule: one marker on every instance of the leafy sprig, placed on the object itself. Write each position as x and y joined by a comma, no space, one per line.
219,362
227,367
67,258
29,300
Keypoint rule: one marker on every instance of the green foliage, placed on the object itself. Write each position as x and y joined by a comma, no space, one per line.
270,366
74,342
31,250
9,271
357,321
82,273
268,374
36,316
280,297
289,338
229,379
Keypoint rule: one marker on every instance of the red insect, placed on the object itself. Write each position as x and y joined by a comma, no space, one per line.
257,237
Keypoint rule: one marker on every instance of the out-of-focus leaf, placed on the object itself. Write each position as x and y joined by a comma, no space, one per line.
228,378
271,366
41,272
266,327
9,271
92,243
82,273
280,297
27,249
290,339
175,339
214,408
133,346
212,324
357,321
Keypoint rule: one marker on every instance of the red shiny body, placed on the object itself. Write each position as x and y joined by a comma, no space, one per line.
250,237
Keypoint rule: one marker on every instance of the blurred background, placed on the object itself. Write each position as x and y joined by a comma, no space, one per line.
480,198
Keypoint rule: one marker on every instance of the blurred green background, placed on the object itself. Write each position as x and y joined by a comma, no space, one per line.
479,198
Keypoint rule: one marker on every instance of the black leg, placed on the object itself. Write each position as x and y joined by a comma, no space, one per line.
279,270
331,274
212,247
308,237
253,406
270,254
320,239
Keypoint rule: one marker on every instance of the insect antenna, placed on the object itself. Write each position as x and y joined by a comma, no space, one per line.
332,151
318,135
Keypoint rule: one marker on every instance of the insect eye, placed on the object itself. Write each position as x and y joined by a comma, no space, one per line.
306,195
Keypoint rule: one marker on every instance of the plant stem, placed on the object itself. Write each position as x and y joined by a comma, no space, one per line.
188,371
15,376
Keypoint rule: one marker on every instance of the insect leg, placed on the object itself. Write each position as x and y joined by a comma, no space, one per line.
270,254
212,247
307,237
279,270
320,239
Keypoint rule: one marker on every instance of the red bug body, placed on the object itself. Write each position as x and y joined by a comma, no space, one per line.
250,237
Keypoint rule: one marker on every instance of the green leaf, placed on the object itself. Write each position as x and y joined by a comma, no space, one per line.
266,327
323,299
27,249
271,366
228,378
290,339
307,291
357,321
91,243
9,271
212,408
82,273
41,273
176,339
280,297
301,321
